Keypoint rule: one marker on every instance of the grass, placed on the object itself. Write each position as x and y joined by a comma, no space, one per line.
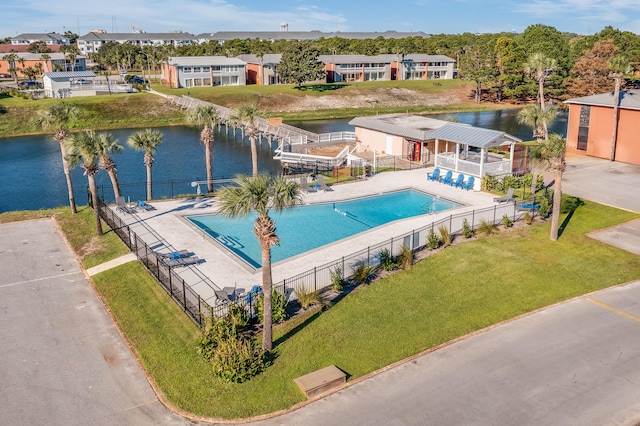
495,278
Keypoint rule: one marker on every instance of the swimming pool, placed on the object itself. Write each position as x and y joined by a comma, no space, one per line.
308,227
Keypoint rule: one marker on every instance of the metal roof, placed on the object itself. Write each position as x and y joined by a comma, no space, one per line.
69,74
472,136
629,99
423,129
268,58
386,58
92,36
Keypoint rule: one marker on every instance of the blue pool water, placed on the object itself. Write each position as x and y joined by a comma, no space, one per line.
305,228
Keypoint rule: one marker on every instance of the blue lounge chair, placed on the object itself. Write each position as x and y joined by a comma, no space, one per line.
447,178
459,181
468,184
435,175
145,206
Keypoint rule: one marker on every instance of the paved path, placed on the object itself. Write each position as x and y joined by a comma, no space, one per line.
62,361
577,363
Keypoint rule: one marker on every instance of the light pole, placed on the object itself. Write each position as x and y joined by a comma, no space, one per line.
146,55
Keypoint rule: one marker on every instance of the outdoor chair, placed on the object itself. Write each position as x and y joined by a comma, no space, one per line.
527,205
323,185
181,261
447,178
123,207
223,297
459,181
145,206
304,185
435,175
468,184
176,254
507,198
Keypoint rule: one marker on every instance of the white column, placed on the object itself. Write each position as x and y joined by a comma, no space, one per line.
511,150
483,152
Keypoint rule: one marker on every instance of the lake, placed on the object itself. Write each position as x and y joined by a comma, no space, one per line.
31,166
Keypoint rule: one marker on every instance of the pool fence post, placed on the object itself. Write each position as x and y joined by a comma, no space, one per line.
199,311
391,247
473,218
184,296
315,278
494,214
450,222
342,277
368,256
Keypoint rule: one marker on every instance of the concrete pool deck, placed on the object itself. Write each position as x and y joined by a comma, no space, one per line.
165,230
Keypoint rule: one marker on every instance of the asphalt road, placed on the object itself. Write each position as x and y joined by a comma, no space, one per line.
577,363
62,361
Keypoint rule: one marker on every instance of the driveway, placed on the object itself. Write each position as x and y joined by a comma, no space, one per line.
62,361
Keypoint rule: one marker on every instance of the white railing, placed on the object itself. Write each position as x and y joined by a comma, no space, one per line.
337,136
496,168
292,157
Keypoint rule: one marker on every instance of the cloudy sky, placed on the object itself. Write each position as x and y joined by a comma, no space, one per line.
429,16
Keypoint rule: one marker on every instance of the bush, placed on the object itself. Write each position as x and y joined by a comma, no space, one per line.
490,183
278,307
545,205
445,235
387,262
406,258
307,298
238,359
487,228
506,221
570,203
337,283
363,273
239,317
215,331
433,242
528,217
467,230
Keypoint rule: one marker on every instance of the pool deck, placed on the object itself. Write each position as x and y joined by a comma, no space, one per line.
165,230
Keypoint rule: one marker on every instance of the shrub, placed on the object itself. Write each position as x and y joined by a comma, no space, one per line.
506,221
467,230
570,203
545,205
445,235
487,228
528,217
215,331
363,273
433,242
239,317
238,359
307,298
337,282
387,262
406,258
490,183
278,307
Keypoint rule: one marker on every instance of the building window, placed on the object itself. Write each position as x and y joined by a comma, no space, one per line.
583,127
187,69
197,69
206,69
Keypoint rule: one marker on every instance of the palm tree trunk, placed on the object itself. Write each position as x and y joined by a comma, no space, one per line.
149,194
614,128
94,201
209,163
114,182
254,156
557,201
267,285
67,175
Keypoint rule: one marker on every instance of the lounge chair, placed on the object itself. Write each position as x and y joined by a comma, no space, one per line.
527,205
434,175
176,254
123,207
468,184
224,296
145,206
446,178
458,182
507,198
304,185
181,261
323,185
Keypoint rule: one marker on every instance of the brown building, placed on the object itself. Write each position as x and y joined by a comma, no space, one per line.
590,127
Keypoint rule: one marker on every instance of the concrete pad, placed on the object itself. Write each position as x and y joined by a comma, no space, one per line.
112,264
625,236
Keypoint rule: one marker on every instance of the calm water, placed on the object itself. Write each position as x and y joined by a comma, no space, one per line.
330,222
32,177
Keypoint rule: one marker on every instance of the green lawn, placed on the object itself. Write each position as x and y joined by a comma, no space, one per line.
463,288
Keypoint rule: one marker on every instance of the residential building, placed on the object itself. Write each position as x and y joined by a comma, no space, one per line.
262,70
196,71
92,41
47,38
284,34
590,129
55,62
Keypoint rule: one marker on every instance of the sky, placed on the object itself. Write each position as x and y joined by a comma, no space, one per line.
209,16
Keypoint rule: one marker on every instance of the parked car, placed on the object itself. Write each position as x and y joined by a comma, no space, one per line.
29,85
135,79
83,81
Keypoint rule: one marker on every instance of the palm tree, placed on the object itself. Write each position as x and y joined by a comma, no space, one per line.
146,140
206,116
11,59
83,149
618,67
539,120
44,57
261,194
551,152
540,66
105,144
247,114
58,118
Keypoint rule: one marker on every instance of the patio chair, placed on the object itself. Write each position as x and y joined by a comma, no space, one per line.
434,175
123,207
181,261
224,297
446,178
527,205
176,254
304,185
145,206
468,184
458,182
323,185
507,198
